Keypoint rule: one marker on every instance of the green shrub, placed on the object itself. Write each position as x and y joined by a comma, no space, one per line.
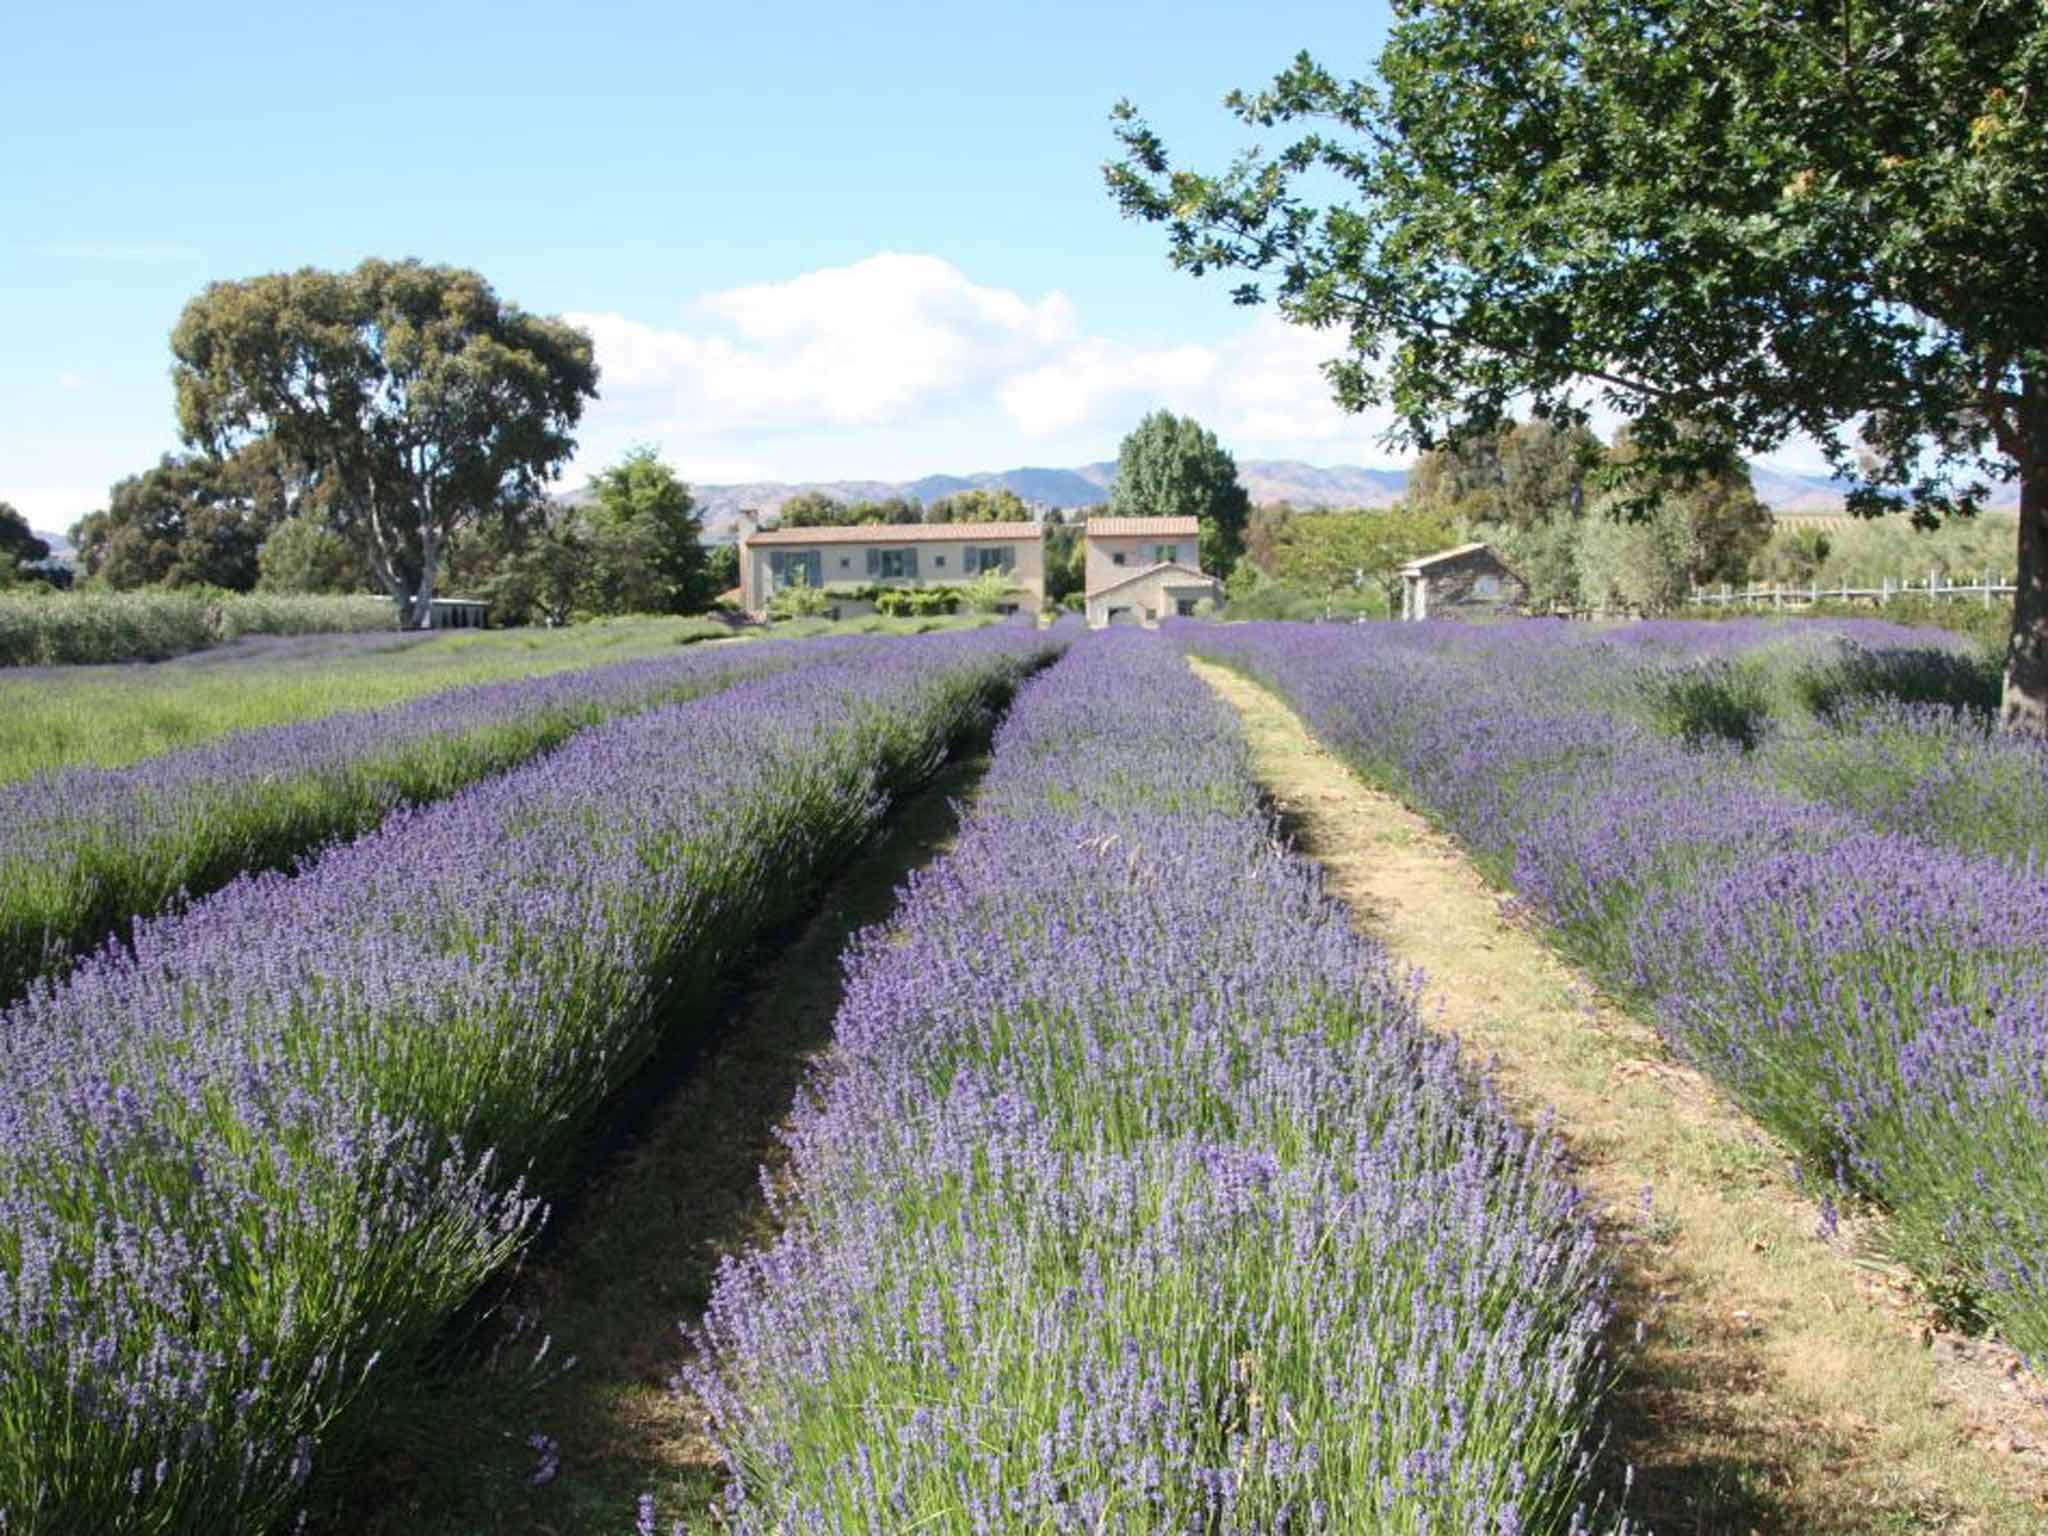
1709,700
799,600
988,592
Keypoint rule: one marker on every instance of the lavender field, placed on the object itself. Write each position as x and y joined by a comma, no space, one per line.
1809,854
85,851
1135,1192
250,1163
1136,1197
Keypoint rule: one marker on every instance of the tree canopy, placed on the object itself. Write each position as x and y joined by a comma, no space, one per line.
1727,221
412,394
190,520
997,504
647,554
1172,466
1533,490
816,509
19,543
1324,553
304,554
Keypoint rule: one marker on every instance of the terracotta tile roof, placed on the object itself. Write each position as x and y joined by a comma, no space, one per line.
1143,528
901,533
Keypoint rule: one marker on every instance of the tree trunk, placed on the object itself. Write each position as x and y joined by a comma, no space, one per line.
2026,658
422,613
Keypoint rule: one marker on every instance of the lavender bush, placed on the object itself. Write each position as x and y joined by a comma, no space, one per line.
1878,998
260,1158
1134,1197
85,851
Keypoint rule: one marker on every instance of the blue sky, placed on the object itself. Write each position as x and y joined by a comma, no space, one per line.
812,240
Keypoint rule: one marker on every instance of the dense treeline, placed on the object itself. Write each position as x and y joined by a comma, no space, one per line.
1582,521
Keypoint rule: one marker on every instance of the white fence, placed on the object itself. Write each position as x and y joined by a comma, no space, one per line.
1789,595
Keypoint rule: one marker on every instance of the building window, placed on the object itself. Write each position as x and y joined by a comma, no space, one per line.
1185,607
787,567
1165,554
846,562
1117,558
990,557
892,564
939,561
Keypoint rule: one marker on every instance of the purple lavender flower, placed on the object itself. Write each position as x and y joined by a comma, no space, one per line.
1135,1196
1848,926
286,1132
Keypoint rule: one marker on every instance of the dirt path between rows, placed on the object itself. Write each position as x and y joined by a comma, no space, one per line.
1783,1384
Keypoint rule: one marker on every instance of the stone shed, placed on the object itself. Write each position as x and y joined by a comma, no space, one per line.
1470,581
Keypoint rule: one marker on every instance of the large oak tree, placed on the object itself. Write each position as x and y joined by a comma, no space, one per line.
1729,221
418,400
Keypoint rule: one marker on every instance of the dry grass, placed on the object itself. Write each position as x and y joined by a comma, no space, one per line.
1784,1384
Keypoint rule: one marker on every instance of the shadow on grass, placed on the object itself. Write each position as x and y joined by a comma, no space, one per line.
673,1186
1678,1461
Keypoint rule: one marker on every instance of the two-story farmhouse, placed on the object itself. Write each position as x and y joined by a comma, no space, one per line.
1143,569
850,562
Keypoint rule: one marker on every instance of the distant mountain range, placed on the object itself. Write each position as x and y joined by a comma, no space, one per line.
1305,485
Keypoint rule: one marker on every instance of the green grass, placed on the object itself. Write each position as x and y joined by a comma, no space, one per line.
107,716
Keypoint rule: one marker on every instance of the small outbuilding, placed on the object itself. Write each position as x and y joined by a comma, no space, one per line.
1470,581
1155,593
456,613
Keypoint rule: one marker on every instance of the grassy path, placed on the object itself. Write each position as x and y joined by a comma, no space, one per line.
635,1256
1781,1386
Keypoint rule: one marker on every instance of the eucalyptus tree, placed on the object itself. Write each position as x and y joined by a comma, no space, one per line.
413,396
1731,222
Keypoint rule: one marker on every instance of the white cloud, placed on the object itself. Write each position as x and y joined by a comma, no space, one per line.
1094,375
862,344
66,379
901,364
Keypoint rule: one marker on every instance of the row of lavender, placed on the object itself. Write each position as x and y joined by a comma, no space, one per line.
1879,998
82,853
1134,1196
248,1168
1898,726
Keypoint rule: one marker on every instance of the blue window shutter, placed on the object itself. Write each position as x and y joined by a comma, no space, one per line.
874,562
910,563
